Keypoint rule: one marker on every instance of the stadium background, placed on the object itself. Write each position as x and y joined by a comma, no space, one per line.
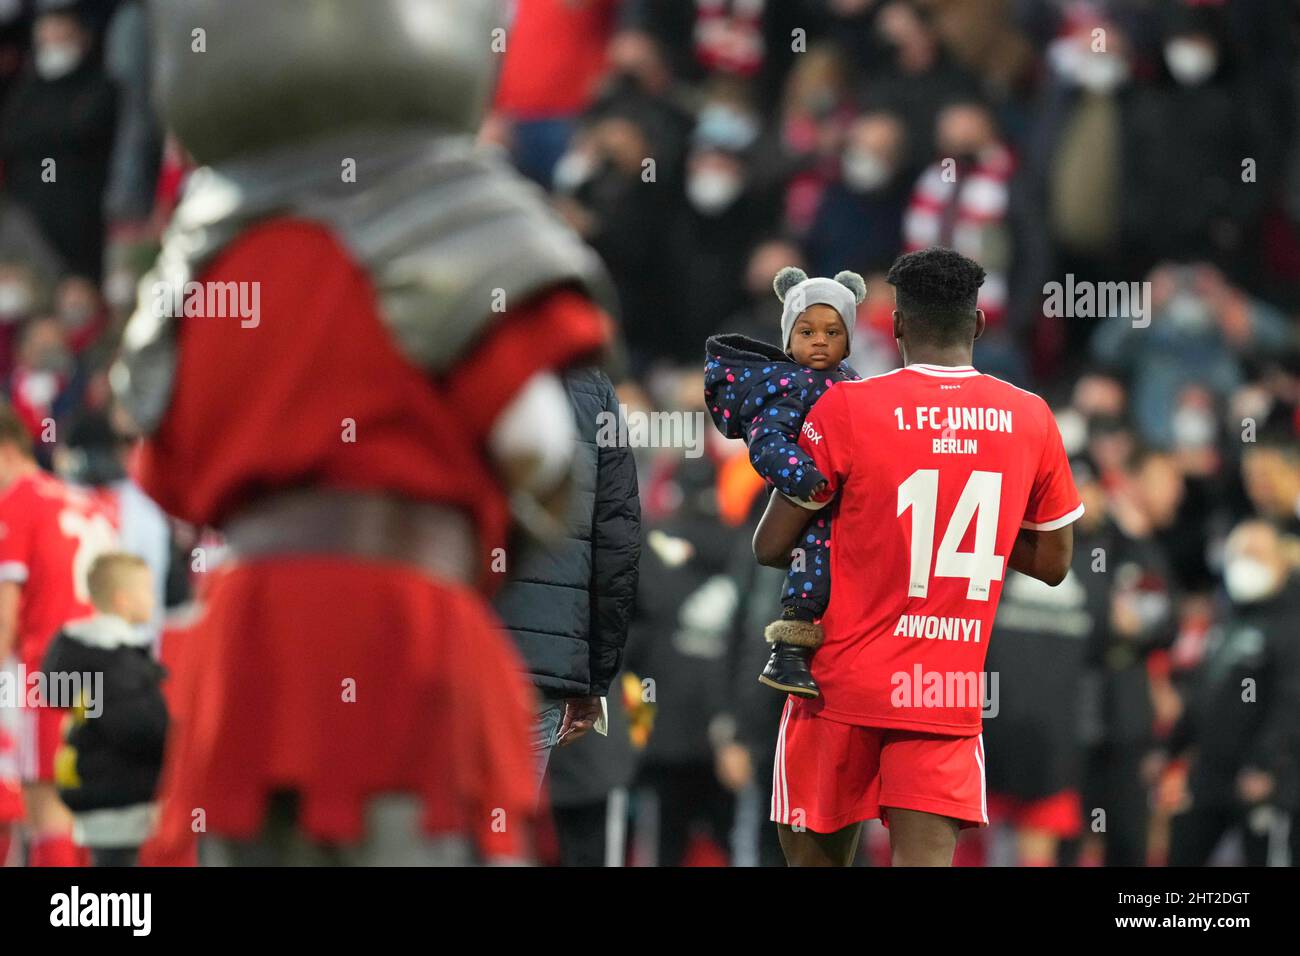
1148,142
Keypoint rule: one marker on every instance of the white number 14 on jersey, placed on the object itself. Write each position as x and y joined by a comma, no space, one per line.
979,501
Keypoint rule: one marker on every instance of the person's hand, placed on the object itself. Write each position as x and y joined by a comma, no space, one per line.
1254,786
1124,617
734,767
580,714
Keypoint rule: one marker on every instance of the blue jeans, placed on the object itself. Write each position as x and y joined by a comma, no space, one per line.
546,733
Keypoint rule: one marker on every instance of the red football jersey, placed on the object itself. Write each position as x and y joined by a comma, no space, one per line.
50,532
936,470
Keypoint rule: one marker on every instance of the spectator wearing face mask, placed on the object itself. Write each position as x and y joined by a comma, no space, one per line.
726,209
56,137
41,386
1074,160
1188,136
859,221
1241,727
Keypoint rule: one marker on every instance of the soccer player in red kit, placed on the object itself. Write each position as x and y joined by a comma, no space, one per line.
50,532
941,478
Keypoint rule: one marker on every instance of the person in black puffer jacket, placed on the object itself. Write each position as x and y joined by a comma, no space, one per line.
762,393
568,605
108,766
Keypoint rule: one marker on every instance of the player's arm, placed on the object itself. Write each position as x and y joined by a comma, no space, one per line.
1045,545
1044,555
778,530
10,594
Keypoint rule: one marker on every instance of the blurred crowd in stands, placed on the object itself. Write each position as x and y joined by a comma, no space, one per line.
701,145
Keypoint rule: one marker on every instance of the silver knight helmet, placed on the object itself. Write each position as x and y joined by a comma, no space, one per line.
236,77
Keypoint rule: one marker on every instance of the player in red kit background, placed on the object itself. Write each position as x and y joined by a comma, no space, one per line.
359,430
50,532
943,478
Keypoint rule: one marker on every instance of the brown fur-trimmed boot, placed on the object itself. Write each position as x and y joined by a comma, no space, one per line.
789,668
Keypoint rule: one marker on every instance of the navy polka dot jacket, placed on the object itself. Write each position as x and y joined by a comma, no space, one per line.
756,392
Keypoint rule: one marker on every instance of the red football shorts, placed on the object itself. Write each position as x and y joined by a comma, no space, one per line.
41,731
829,775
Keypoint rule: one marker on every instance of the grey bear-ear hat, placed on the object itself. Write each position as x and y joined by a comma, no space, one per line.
797,292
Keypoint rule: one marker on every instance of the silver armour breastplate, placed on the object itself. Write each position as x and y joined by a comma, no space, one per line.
451,236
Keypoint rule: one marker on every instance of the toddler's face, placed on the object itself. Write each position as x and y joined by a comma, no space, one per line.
819,339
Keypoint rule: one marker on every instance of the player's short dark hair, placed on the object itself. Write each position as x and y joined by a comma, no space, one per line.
13,431
936,291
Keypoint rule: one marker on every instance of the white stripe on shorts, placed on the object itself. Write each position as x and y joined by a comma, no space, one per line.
780,787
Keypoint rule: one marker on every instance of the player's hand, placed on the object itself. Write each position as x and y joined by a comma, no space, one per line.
580,715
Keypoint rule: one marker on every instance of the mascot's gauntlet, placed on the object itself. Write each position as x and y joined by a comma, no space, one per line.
532,444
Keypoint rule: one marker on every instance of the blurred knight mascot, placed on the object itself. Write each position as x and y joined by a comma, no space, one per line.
345,360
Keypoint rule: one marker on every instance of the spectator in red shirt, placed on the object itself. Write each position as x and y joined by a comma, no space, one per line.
555,57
